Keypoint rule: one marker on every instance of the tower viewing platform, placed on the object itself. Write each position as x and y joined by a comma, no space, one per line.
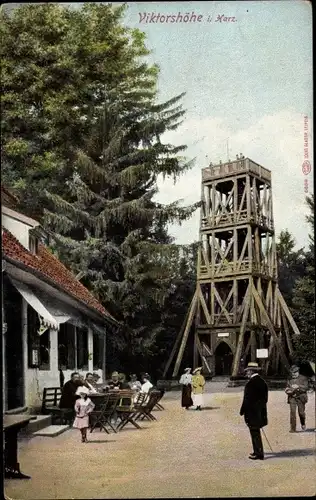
236,167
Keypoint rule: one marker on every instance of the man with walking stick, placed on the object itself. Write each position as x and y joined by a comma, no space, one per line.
254,408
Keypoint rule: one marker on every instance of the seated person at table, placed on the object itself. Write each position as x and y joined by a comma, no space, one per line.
135,384
96,378
124,386
114,382
82,379
146,385
122,379
89,383
68,392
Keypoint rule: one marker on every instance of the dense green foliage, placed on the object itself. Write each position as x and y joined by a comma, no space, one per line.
83,146
304,297
291,264
297,283
58,67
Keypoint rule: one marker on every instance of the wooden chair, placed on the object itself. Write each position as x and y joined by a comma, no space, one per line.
159,406
141,399
126,410
50,406
145,410
104,414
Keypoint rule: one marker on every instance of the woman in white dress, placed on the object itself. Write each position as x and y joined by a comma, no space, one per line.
146,385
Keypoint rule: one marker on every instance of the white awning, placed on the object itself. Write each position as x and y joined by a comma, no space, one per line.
58,314
36,304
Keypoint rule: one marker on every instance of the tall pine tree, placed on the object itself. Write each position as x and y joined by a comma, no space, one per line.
113,233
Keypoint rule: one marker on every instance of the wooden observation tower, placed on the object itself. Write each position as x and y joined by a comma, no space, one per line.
237,307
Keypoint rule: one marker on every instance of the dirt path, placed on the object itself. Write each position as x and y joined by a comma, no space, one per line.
184,454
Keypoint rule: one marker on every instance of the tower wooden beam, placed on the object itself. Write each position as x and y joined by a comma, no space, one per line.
287,312
287,333
237,357
185,334
174,349
271,328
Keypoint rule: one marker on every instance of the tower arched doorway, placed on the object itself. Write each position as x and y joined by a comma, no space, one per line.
223,359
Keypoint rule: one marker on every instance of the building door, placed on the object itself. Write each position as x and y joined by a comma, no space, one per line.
223,359
12,305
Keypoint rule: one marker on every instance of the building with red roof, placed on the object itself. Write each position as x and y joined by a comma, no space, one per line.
54,325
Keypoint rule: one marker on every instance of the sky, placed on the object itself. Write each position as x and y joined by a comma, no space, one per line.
248,84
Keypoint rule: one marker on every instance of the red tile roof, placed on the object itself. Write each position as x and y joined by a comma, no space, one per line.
46,264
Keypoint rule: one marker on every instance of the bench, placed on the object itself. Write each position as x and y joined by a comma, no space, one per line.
50,405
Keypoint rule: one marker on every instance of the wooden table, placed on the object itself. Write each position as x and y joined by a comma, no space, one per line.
12,424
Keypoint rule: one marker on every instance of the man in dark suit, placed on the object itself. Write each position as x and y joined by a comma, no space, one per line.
68,392
254,408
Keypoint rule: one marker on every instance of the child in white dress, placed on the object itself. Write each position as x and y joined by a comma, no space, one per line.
83,407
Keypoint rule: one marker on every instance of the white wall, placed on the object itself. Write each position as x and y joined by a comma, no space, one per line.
36,380
19,229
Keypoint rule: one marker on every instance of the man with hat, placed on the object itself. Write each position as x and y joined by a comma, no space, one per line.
254,408
296,391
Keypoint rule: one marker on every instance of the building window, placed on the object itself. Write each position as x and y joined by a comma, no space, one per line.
72,347
33,244
82,349
44,353
38,345
67,346
98,347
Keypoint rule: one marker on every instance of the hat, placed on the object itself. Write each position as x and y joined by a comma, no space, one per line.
187,369
252,366
82,390
115,374
197,369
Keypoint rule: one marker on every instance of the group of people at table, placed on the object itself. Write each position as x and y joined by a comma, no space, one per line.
77,392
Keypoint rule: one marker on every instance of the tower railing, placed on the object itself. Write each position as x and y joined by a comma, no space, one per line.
233,168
